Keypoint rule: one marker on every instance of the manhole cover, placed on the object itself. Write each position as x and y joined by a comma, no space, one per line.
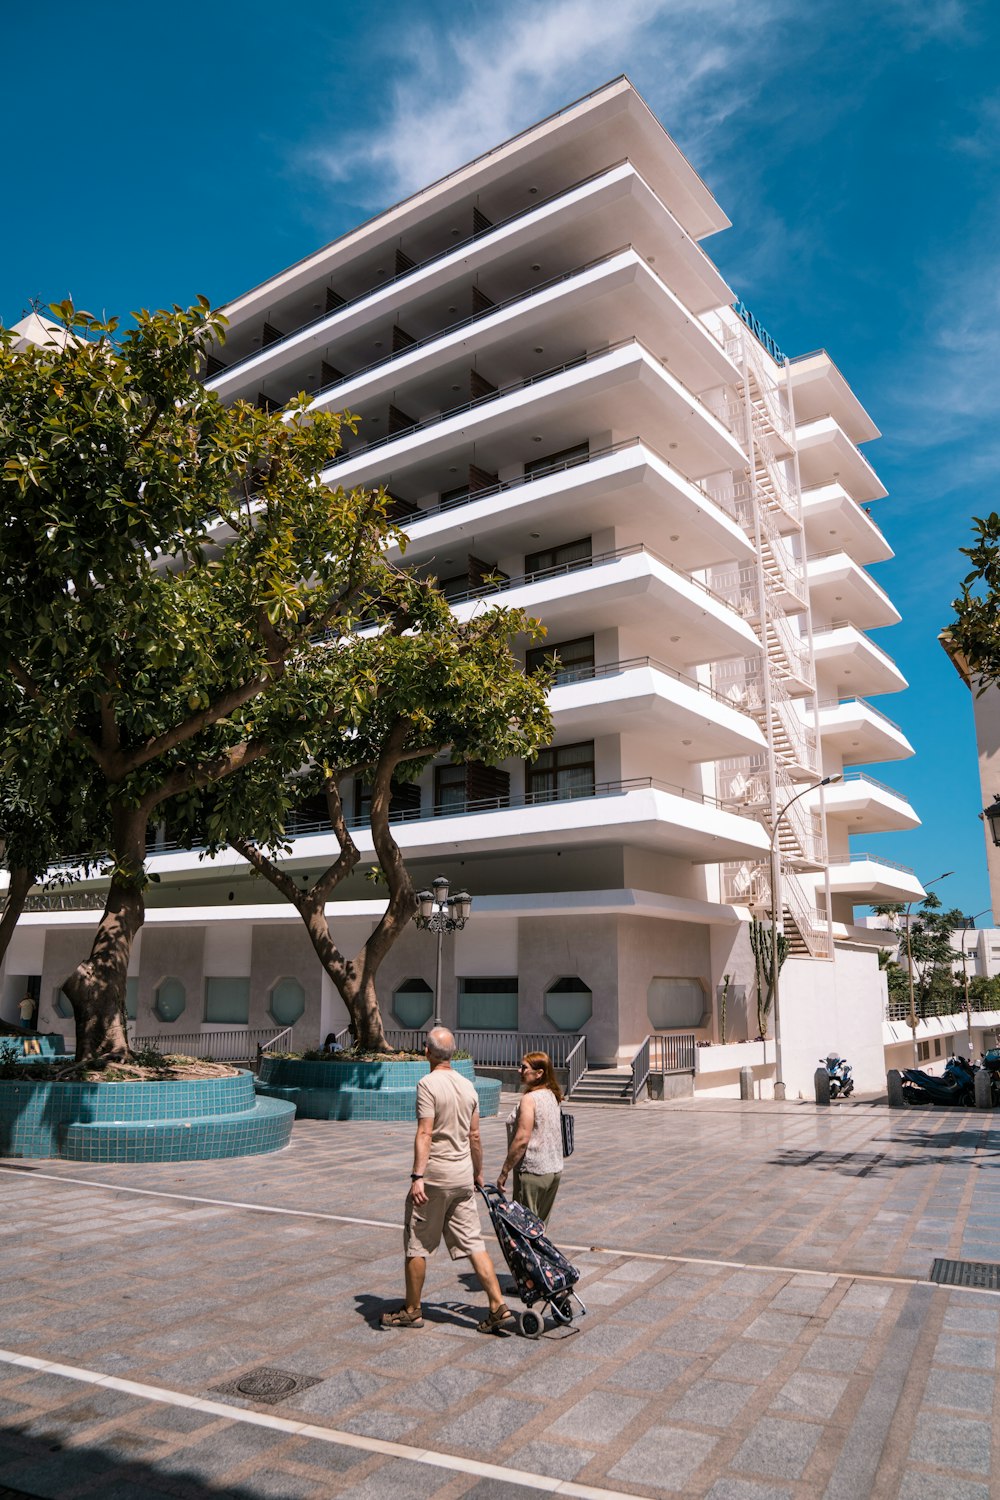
983,1274
267,1384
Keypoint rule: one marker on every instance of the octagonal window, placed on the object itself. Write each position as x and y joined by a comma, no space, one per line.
61,1005
288,1001
171,998
675,1004
413,1003
569,1004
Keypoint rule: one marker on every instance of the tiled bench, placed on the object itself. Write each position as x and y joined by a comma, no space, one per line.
251,1132
175,1120
360,1091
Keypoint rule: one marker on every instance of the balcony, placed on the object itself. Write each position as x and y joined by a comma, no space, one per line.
640,811
818,387
624,387
631,584
870,880
847,660
867,806
859,733
832,519
628,482
826,453
612,206
839,588
644,693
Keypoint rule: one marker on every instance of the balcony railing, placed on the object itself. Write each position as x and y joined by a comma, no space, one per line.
569,675
932,1008
857,857
501,584
862,703
435,420
862,776
454,248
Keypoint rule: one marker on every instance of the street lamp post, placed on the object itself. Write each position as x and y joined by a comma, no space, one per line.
909,963
440,913
776,907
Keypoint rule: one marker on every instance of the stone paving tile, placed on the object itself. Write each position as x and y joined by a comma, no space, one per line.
663,1458
953,1443
778,1448
921,1485
960,1389
600,1416
810,1395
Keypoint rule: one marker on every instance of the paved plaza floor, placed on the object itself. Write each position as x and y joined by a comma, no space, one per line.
760,1321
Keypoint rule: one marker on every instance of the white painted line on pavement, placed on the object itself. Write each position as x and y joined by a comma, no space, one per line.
331,1435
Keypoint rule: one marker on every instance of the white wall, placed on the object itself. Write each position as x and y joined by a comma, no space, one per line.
834,1007
486,948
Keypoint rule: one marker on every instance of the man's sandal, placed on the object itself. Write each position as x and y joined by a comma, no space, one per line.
401,1319
500,1321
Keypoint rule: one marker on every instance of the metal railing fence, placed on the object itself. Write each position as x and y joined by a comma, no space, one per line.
238,1045
640,1068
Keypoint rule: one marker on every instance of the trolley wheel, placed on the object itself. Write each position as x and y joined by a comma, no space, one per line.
562,1307
530,1323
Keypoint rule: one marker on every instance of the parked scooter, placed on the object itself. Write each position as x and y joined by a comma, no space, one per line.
840,1072
955,1086
991,1062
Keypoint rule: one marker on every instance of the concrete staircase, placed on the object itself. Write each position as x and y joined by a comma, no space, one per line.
604,1086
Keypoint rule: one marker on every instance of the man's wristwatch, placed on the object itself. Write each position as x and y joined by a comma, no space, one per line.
416,1176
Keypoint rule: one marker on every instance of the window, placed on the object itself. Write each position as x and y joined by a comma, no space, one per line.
171,999
565,556
923,1051
404,797
132,997
288,1001
675,1004
61,1005
937,1046
564,459
575,659
227,1000
413,1003
569,1004
487,1004
561,773
450,793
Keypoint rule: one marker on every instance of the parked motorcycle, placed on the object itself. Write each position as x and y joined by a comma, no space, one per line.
839,1072
955,1086
991,1062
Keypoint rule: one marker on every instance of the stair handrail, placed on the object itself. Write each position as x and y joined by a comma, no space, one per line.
576,1065
269,1046
640,1068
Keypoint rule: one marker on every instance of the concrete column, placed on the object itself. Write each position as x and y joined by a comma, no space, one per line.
746,1083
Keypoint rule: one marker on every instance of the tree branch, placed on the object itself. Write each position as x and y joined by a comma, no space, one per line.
269,869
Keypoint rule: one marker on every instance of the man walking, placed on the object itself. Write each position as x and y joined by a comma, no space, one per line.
447,1168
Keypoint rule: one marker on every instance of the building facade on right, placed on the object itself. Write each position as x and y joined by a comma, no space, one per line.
573,412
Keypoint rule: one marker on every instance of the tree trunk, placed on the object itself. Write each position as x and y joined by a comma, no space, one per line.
21,881
360,997
96,988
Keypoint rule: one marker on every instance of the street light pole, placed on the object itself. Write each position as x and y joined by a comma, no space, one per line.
909,963
439,913
776,907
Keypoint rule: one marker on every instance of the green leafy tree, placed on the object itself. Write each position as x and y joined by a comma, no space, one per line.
167,566
399,700
974,634
934,958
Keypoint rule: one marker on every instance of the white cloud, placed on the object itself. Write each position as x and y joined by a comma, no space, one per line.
459,91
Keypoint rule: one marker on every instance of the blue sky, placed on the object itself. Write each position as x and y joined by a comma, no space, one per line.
166,151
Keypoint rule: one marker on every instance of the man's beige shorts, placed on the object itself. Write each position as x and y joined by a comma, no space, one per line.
450,1212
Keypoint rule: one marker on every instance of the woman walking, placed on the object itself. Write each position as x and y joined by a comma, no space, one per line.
535,1150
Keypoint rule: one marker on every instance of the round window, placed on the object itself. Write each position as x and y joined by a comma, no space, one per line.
569,1004
288,1001
413,1003
171,998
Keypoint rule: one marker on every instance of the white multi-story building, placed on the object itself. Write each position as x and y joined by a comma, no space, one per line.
557,386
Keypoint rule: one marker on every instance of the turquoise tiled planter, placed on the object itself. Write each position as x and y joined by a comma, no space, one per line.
195,1119
360,1090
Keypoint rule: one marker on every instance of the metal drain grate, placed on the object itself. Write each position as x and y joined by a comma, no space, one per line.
982,1274
267,1384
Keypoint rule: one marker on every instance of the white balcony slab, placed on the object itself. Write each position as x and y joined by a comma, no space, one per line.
625,389
632,489
699,726
826,453
860,734
864,805
832,519
869,881
848,662
840,588
689,625
818,387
